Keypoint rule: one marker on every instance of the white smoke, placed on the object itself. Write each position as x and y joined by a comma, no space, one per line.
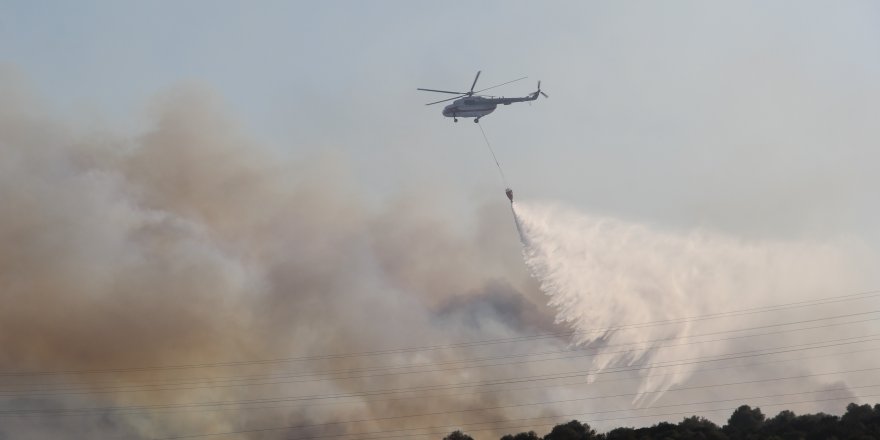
601,273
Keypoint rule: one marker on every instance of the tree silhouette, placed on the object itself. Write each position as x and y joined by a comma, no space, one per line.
860,422
699,428
744,423
622,434
522,436
457,435
572,430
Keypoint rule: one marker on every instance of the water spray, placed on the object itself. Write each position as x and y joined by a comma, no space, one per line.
599,272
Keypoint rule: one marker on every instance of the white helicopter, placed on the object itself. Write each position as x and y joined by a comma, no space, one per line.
469,105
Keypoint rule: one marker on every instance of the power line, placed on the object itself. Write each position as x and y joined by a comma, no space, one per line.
671,390
215,406
733,313
213,380
385,369
568,385
664,364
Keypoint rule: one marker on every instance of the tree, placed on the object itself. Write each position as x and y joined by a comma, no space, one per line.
621,434
572,430
458,435
857,422
860,422
817,426
522,436
744,423
781,426
699,428
662,430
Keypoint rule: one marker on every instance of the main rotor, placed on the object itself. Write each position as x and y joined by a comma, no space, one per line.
470,92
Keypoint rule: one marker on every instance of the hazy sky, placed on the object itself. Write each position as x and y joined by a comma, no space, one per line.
751,116
320,186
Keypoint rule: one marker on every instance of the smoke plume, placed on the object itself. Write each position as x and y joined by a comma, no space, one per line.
186,280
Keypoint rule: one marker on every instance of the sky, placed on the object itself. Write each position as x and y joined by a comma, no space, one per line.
752,121
766,105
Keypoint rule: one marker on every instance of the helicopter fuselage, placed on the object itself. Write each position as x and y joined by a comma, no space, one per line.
479,106
470,107
471,104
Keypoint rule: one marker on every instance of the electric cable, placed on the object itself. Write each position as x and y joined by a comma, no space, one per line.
80,411
688,361
597,352
734,313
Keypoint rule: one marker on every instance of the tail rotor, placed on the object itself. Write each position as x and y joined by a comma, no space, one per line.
539,90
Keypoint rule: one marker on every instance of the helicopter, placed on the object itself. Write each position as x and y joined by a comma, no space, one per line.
469,105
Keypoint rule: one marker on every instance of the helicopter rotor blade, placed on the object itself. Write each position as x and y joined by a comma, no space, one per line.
475,82
502,84
444,100
545,95
442,91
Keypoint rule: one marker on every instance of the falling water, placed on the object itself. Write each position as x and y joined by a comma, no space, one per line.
601,273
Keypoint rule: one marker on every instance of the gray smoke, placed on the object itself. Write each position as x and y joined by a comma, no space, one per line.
190,244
